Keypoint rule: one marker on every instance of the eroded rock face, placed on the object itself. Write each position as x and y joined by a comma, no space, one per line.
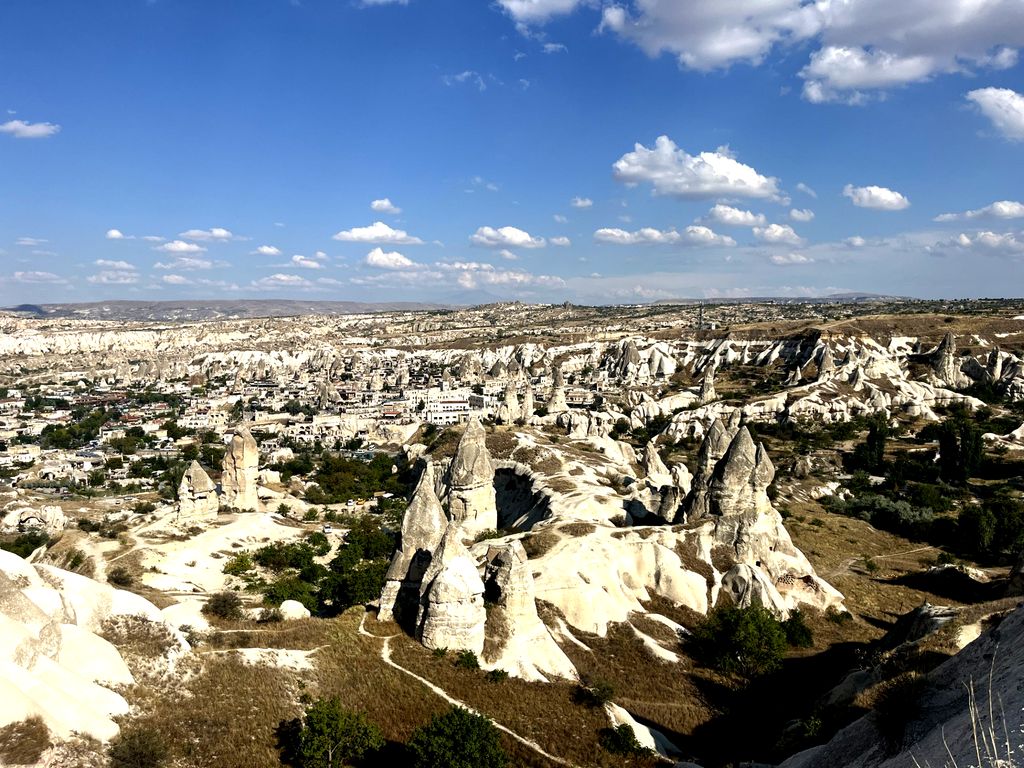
712,448
452,613
517,640
423,527
947,366
49,518
741,478
241,471
197,494
471,480
707,386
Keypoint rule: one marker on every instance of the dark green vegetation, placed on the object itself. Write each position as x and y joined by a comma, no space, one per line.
746,641
457,739
327,736
138,748
339,478
25,544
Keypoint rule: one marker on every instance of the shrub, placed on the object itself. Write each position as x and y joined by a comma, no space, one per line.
224,605
457,739
327,736
120,576
798,634
466,660
271,615
138,748
27,543
745,641
238,564
496,676
23,742
290,588
621,740
597,694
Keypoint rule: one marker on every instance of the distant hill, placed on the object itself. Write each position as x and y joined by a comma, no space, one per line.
215,309
851,298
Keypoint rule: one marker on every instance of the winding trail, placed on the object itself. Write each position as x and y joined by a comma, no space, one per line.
385,655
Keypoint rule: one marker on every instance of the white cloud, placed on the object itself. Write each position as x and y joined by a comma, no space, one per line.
304,262
1002,209
388,260
801,214
789,259
671,171
179,246
554,48
214,234
175,280
377,233
384,205
838,73
19,129
505,253
281,280
562,242
560,218
801,187
1005,108
467,76
505,237
692,235
777,234
581,202
37,277
30,242
734,217
856,241
858,45
187,263
877,198
114,277
115,234
267,250
119,265
984,243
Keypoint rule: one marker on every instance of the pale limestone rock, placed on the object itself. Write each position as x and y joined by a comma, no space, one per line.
49,518
292,610
707,387
452,613
520,643
197,495
423,527
471,480
241,471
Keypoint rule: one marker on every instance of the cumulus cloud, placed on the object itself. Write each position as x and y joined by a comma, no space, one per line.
560,218
187,263
672,171
377,233
267,250
562,242
114,277
857,45
877,198
505,237
281,280
984,243
801,187
1005,108
856,241
108,264
115,234
384,205
388,260
30,242
179,246
801,214
692,235
789,259
734,217
1002,209
581,202
175,280
37,277
20,129
214,234
304,262
777,234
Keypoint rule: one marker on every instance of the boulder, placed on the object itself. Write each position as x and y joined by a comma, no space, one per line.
292,610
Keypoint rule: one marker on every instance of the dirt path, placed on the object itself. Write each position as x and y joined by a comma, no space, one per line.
385,655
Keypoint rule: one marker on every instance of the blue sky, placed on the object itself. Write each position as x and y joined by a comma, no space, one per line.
533,149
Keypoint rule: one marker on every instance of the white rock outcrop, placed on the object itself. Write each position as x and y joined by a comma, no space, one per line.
241,471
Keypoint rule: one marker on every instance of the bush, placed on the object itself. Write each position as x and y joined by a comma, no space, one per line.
138,748
621,740
120,576
457,739
496,676
466,660
290,588
798,634
744,641
224,605
23,742
327,736
238,564
597,694
27,543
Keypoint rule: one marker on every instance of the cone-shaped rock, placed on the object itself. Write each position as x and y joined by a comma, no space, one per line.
197,494
241,469
452,613
471,501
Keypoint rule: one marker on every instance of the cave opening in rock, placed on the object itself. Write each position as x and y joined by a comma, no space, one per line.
520,506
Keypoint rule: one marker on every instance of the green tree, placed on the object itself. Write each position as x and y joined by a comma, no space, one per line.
457,739
328,736
745,641
961,449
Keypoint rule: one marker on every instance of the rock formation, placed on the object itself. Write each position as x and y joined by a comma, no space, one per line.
241,471
422,530
707,386
49,518
451,612
712,448
197,494
517,640
471,480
